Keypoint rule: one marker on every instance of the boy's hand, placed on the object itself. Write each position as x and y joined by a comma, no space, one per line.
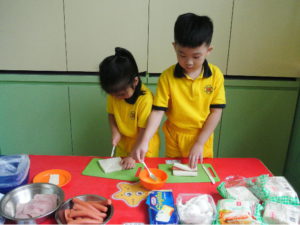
195,155
128,163
139,152
116,137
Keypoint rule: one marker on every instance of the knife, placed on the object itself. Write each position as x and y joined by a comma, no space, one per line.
113,151
208,174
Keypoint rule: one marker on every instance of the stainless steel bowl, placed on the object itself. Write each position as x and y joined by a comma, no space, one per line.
25,194
68,204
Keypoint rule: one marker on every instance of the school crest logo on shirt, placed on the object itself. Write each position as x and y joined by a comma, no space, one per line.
132,115
208,89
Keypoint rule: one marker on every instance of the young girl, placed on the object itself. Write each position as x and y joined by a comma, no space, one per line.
129,104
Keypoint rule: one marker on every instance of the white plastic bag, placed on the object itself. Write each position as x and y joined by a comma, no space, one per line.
196,208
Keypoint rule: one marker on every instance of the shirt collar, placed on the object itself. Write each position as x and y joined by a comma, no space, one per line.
207,72
178,71
137,92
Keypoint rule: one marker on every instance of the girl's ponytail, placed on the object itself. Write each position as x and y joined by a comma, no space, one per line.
118,71
125,54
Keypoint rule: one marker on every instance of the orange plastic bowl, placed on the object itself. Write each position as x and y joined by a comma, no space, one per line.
151,184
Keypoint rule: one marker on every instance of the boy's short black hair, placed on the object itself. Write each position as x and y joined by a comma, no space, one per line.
191,30
118,71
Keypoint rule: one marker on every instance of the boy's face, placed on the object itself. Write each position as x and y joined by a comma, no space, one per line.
191,59
126,92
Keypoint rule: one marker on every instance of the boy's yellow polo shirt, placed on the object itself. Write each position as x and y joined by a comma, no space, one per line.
187,102
129,117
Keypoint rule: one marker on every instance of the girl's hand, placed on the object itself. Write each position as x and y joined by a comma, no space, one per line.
195,155
128,163
116,137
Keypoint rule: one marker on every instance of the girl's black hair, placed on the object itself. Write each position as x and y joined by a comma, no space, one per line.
118,71
191,30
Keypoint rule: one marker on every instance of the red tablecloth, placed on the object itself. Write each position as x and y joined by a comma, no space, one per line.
80,184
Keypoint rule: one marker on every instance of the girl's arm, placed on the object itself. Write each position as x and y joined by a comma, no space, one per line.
141,147
115,133
207,129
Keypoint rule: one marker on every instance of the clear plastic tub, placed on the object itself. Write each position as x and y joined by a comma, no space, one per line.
196,208
2,220
14,171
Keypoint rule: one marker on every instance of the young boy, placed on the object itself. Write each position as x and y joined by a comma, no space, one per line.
191,93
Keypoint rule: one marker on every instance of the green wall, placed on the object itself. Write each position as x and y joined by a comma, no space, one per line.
292,169
65,115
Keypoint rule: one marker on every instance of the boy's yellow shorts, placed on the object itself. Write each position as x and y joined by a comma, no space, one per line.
126,145
179,141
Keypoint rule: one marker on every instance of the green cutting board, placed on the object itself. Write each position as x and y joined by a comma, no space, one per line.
93,169
202,177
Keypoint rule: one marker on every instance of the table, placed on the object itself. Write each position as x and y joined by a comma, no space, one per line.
81,184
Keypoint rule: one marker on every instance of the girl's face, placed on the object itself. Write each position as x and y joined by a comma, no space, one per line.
191,59
128,91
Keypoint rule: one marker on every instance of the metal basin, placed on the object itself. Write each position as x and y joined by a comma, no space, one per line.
68,204
25,194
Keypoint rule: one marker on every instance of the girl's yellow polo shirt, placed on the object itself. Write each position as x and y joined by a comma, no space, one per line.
130,117
187,102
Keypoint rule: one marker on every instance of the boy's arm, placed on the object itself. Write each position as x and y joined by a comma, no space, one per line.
207,129
141,147
115,133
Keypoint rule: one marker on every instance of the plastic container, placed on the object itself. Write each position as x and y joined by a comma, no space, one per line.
2,220
14,171
196,208
151,184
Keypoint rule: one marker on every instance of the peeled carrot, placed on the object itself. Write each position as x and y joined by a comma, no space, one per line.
85,204
85,221
103,202
99,206
82,207
85,213
67,215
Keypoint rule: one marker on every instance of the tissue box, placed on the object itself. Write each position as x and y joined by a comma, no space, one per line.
14,171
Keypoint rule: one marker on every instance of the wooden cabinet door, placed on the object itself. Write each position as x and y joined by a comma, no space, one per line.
32,35
95,27
265,38
162,17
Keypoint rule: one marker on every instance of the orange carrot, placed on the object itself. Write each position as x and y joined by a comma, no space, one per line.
67,215
87,212
84,213
99,206
85,204
103,202
85,221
